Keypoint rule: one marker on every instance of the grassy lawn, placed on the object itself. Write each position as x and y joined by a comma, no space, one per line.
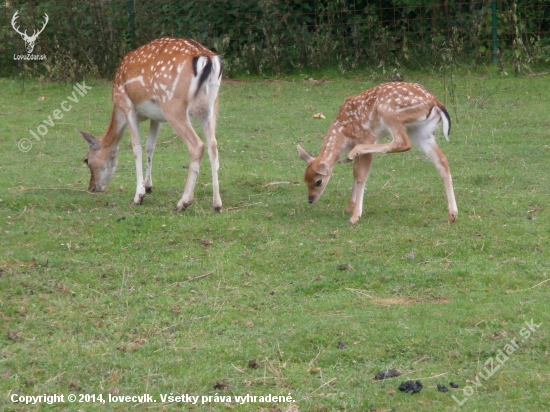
275,296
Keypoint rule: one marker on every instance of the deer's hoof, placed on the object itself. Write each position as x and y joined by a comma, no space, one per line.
181,208
139,202
353,220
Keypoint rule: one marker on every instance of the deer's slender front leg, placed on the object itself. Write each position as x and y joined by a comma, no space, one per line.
400,143
353,197
150,147
133,126
361,169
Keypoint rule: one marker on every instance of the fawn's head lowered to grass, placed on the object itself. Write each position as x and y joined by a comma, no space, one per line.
316,176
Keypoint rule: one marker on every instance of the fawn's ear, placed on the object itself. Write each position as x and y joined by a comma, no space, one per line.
322,168
306,157
94,143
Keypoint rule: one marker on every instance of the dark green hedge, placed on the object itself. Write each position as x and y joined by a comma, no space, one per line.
274,36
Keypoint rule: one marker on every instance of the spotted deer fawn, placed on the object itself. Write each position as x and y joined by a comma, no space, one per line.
404,111
165,80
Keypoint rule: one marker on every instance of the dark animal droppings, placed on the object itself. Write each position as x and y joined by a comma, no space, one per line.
411,386
252,364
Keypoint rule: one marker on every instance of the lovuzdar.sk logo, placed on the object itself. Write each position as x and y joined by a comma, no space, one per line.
30,41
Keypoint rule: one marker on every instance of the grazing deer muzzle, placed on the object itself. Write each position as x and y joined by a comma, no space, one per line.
102,162
166,80
406,112
29,40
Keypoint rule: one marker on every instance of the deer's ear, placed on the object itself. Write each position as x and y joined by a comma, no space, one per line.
306,157
322,168
94,143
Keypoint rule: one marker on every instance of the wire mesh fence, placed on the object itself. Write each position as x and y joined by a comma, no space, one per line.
276,36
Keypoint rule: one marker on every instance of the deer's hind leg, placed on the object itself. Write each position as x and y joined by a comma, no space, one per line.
425,140
208,120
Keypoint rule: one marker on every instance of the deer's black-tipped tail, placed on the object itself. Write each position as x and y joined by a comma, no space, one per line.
202,69
446,122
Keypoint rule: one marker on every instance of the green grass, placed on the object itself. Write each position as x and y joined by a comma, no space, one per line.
102,297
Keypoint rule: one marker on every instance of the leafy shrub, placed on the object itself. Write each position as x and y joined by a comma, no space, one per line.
278,36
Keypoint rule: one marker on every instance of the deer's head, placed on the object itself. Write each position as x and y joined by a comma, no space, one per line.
316,176
102,162
29,40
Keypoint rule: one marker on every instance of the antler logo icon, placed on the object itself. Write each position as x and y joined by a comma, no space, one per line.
29,40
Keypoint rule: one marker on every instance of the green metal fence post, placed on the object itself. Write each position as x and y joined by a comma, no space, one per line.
494,33
131,21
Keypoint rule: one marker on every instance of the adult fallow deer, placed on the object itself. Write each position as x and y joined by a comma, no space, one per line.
165,80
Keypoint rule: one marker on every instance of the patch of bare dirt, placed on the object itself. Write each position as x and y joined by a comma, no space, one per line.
409,300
